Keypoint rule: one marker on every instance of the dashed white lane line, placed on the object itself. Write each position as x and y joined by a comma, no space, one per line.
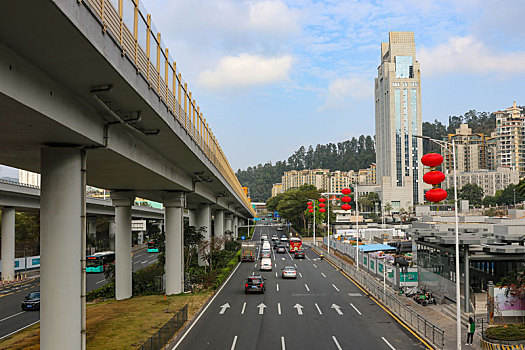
300,275
315,265
306,286
243,308
234,342
307,257
8,317
336,343
255,265
276,272
279,308
277,286
283,345
323,275
337,289
318,309
352,305
143,262
104,280
295,265
387,343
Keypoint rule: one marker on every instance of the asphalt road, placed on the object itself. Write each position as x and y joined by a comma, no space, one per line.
13,319
321,309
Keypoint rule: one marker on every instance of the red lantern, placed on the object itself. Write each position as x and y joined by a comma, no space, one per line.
322,205
310,207
311,210
309,203
432,159
346,199
436,195
346,191
322,200
434,177
322,210
346,207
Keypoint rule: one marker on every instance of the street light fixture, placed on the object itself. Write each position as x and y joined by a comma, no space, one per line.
446,146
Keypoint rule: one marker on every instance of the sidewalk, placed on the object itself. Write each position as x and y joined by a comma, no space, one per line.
432,313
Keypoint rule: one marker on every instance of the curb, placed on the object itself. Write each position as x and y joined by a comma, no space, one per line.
486,345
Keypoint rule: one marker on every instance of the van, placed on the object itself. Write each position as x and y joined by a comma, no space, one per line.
266,264
266,245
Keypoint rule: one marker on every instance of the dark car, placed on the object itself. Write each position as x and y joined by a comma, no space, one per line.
299,254
281,249
255,284
31,302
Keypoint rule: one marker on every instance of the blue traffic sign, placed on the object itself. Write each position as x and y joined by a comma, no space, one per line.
243,238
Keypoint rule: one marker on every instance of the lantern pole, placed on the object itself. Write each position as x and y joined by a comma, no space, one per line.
313,202
357,225
458,294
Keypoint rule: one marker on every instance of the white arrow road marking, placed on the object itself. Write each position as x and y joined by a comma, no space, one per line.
223,308
306,286
300,275
283,346
318,309
261,307
243,308
352,305
336,343
234,342
337,308
299,308
277,285
387,343
323,275
337,289
279,308
315,265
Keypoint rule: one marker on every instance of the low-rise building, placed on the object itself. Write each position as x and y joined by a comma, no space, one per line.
489,180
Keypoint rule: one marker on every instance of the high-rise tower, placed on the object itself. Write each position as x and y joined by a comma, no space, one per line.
398,118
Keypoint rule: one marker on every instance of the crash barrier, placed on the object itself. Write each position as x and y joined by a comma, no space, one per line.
417,322
25,263
164,334
487,345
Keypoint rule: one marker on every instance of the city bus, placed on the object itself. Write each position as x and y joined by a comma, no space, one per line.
99,262
152,247
295,243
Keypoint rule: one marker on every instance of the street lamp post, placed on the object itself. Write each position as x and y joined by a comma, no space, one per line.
458,296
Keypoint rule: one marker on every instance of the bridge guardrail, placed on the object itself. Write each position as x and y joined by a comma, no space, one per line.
432,332
132,29
164,334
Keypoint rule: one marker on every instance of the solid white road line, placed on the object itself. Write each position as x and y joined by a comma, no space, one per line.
323,275
100,281
387,343
300,275
315,265
8,317
277,285
337,289
283,346
18,330
336,343
318,309
352,305
203,311
243,308
306,286
279,308
234,342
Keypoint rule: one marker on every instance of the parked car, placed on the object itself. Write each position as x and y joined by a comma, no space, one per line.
255,284
31,302
289,272
299,254
266,264
281,249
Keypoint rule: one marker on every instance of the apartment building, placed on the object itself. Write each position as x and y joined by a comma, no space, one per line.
510,135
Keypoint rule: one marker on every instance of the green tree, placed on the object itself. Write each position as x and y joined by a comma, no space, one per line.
489,201
471,192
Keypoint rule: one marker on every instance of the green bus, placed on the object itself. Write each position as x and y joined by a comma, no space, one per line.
99,262
152,247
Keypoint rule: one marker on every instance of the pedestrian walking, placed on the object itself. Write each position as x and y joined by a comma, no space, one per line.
471,329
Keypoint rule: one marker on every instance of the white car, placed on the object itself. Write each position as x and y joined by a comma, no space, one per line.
266,264
289,272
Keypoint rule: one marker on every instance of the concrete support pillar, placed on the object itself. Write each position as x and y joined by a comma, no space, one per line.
192,217
235,226
92,227
203,219
218,225
467,278
8,244
112,229
228,223
174,217
60,245
122,201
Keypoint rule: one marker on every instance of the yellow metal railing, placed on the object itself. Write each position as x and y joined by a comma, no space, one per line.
142,44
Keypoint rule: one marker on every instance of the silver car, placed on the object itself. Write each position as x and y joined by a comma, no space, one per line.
289,272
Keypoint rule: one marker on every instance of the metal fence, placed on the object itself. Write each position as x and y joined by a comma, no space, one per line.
164,334
433,333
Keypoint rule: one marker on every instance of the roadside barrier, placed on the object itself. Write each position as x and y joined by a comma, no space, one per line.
417,322
486,345
164,334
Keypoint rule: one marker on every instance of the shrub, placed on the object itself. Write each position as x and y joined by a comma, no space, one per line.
507,332
107,291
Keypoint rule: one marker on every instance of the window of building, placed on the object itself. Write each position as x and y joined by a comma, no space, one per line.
404,67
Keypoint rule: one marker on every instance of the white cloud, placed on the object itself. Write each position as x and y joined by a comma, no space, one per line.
342,90
247,70
467,54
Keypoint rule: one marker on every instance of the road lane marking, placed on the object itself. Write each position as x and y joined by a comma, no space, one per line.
275,267
243,308
18,330
143,262
299,308
387,343
275,272
279,308
337,289
234,342
337,308
355,294
336,343
306,286
295,265
4,295
203,311
323,275
8,317
100,281
352,305
255,265
277,285
283,346
315,265
283,259
300,275
223,308
253,273
261,307
307,257
318,309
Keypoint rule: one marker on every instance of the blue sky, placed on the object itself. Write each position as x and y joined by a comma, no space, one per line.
273,75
